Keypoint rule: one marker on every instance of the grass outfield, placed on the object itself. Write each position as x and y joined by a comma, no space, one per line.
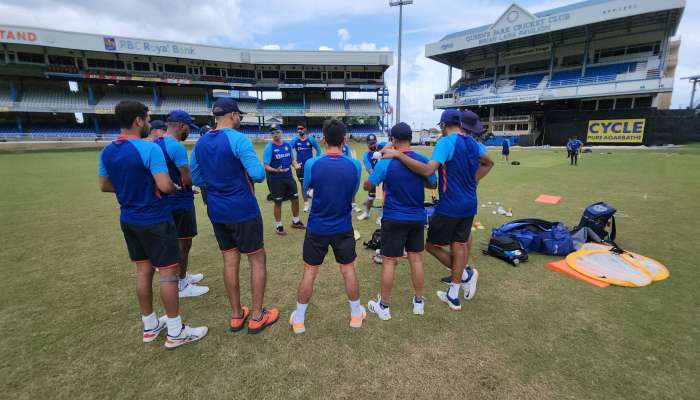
70,326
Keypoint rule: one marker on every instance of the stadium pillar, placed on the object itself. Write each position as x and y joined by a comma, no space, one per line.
206,97
495,71
97,125
91,95
19,123
155,96
13,91
586,48
552,57
449,76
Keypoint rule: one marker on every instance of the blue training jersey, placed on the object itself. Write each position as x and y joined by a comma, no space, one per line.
576,144
346,150
130,163
278,156
367,160
176,157
404,191
305,148
224,161
458,156
335,179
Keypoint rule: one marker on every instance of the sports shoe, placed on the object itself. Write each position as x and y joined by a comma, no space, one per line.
357,209
194,278
363,216
356,322
280,230
378,221
470,285
418,308
192,290
267,318
236,324
187,335
297,225
306,207
453,303
150,335
297,327
374,307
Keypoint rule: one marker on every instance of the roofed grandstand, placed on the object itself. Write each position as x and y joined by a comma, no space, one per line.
596,55
64,85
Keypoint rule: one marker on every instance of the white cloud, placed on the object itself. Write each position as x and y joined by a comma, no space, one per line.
271,47
344,34
364,46
325,48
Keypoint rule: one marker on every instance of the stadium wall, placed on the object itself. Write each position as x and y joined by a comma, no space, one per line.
660,126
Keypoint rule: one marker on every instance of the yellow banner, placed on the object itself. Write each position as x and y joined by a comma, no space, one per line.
4,109
616,131
104,111
324,114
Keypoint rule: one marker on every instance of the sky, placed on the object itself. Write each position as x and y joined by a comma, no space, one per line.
331,25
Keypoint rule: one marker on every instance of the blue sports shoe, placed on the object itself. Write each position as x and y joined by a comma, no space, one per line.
453,303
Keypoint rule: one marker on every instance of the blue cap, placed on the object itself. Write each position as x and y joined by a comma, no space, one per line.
471,122
225,105
451,116
158,124
371,138
401,131
182,117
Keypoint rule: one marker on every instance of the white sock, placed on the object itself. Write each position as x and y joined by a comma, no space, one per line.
296,220
182,284
300,312
174,326
149,321
355,307
306,204
354,206
453,291
278,224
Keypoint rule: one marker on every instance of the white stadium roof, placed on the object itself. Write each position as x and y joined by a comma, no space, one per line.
517,23
24,35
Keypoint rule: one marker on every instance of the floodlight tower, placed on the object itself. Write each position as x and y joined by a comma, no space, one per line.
400,4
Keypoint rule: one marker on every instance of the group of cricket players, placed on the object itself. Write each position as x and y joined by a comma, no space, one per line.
155,182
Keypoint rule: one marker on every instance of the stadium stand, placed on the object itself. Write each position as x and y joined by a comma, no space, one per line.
111,98
62,131
282,105
361,131
9,131
191,103
54,99
5,97
326,106
364,106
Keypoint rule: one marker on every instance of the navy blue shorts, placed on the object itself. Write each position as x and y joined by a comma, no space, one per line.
444,230
154,243
185,222
316,248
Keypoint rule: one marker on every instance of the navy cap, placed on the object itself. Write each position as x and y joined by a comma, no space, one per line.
182,117
158,124
225,105
451,117
371,138
471,122
274,128
401,131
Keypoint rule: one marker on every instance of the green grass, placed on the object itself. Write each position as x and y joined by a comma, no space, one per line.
70,326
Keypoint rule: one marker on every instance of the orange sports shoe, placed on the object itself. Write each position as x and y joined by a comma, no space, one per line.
237,323
267,318
356,322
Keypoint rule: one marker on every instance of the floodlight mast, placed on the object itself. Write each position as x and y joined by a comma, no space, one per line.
400,4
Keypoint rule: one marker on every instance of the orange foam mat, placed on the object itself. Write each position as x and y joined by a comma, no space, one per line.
563,268
548,199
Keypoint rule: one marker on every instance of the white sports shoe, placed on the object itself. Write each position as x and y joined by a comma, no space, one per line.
194,278
453,303
383,313
418,308
469,287
379,221
363,216
152,334
357,209
187,335
192,290
306,207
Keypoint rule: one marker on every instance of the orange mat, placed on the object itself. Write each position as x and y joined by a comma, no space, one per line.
563,268
548,199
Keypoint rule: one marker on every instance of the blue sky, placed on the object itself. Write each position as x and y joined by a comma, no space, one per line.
311,24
